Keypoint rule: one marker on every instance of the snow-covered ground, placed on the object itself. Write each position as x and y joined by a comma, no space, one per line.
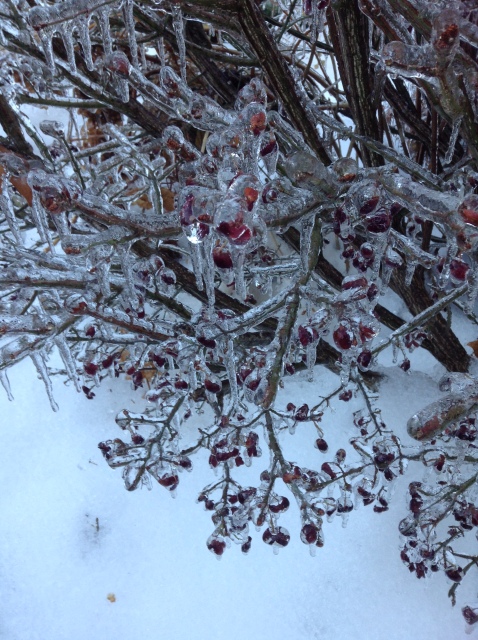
83,559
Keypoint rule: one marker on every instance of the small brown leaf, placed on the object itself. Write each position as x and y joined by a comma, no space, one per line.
144,202
474,346
168,199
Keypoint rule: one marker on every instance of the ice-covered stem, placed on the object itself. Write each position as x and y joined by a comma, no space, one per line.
80,306
282,81
438,416
284,466
279,456
421,319
409,166
99,210
284,330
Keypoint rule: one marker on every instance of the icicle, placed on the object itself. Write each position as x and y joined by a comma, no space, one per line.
196,258
6,383
305,233
39,362
231,372
472,292
451,252
311,357
453,138
98,262
41,221
127,268
161,54
82,25
409,273
345,368
144,62
156,196
6,207
46,37
68,361
129,23
178,26
238,262
208,273
103,14
66,30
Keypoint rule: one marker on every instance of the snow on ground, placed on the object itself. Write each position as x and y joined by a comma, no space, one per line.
72,536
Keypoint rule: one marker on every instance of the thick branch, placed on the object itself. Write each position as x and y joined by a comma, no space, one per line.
348,28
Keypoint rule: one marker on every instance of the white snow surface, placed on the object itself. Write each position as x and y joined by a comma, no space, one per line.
57,567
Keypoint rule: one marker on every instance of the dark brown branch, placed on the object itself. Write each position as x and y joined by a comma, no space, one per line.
348,28
9,121
281,79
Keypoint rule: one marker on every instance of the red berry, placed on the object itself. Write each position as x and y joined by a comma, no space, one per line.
344,337
236,232
211,386
118,63
283,505
169,481
364,359
369,205
216,545
302,413
469,210
222,258
321,445
90,368
458,270
279,537
309,533
307,335
470,615
206,342
379,223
